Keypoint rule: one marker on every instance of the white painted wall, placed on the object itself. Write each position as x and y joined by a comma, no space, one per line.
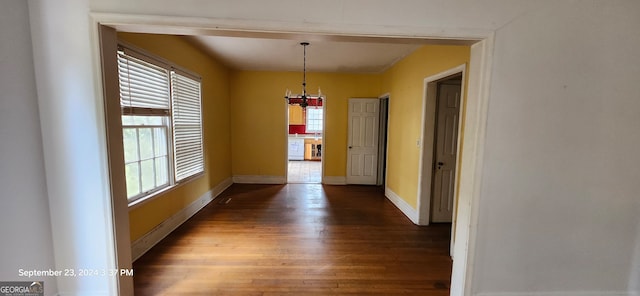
560,205
72,124
24,214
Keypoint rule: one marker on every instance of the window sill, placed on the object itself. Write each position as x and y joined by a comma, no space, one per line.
143,200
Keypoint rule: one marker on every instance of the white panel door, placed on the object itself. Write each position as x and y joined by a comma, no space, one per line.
445,152
362,155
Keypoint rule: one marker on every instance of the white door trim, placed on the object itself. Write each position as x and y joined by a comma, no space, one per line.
112,133
475,117
470,174
286,137
323,151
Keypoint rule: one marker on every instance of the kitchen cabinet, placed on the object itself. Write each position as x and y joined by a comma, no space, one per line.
312,149
296,115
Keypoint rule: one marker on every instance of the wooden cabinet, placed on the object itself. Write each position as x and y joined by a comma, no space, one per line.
312,149
296,115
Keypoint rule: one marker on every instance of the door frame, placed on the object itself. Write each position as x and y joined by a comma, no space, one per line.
108,46
383,141
425,175
286,139
475,116
324,135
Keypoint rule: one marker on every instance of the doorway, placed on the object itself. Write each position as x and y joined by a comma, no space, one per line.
382,140
305,130
474,123
430,169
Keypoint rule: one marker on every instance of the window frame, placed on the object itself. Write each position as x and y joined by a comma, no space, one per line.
170,178
168,122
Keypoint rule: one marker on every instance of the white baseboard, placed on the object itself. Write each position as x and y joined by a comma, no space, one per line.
404,207
248,179
151,238
564,293
335,180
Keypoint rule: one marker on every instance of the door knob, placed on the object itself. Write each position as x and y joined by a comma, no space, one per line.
350,147
440,164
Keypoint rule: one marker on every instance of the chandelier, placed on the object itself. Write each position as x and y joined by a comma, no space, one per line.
303,99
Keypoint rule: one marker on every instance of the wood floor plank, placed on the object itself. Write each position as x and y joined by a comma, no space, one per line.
298,239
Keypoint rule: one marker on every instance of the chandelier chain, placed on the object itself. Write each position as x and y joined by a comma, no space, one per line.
304,100
304,68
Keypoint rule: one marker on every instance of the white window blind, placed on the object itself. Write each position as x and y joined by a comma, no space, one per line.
144,87
187,126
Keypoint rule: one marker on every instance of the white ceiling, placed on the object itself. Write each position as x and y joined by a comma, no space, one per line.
351,55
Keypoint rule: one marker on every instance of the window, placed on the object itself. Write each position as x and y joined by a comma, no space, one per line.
314,119
146,155
161,123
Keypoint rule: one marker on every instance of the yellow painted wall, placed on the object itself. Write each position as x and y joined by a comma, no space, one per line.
258,117
215,113
405,83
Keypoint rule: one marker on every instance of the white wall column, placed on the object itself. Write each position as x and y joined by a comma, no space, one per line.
71,115
559,203
24,216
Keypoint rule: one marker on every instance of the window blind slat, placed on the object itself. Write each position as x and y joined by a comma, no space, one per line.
188,92
187,134
141,71
186,110
128,81
194,149
141,97
190,162
154,76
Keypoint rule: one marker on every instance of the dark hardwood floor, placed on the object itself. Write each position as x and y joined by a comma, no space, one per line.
298,239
